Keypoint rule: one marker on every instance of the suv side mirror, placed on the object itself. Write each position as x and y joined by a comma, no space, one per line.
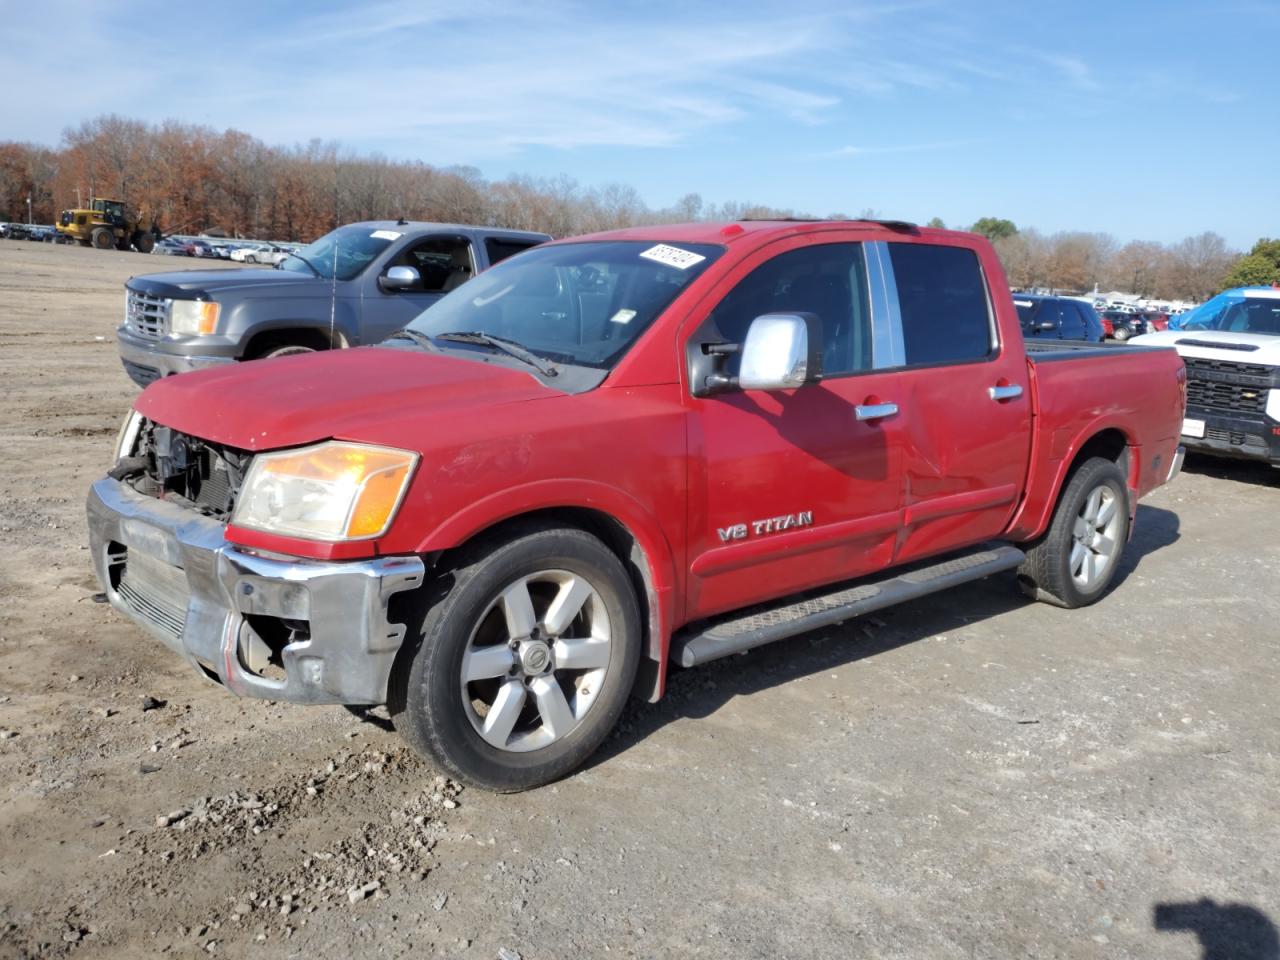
1045,325
782,351
399,278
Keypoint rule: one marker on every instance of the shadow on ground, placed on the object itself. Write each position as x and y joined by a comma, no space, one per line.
701,691
1227,931
1241,471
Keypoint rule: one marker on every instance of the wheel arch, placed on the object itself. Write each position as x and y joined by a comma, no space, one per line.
625,528
1110,441
314,337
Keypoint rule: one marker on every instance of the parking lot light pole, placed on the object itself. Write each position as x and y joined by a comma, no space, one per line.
29,220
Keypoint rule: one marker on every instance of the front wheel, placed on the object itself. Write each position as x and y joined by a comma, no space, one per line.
1121,334
525,664
1077,559
285,350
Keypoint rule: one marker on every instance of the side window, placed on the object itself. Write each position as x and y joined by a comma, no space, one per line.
1080,329
943,299
443,262
499,248
827,280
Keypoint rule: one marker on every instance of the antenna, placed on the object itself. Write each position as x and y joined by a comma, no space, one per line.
333,291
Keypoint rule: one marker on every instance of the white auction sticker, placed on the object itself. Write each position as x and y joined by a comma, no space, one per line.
386,235
623,316
672,256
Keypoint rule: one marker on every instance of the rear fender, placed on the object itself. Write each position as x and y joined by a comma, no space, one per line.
1052,460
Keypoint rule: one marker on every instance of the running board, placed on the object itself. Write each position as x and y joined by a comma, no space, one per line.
728,636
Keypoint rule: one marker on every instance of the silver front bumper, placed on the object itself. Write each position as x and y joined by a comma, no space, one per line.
145,362
171,570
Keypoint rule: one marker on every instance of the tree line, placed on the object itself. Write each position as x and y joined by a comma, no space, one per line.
194,179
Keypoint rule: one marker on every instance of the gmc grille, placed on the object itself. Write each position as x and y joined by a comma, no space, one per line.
145,315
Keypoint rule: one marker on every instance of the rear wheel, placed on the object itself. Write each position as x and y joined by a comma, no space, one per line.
144,242
1077,559
1121,334
525,664
102,238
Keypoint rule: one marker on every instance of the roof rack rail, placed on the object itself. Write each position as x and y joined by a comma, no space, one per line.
902,226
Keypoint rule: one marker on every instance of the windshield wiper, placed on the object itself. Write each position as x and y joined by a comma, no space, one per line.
510,347
311,265
417,336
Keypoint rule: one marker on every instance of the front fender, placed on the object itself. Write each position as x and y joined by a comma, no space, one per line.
591,495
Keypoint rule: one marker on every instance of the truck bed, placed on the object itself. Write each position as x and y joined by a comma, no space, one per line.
1138,391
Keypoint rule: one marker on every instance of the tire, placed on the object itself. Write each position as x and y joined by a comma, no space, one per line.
144,242
1121,334
102,238
284,350
1075,562
535,707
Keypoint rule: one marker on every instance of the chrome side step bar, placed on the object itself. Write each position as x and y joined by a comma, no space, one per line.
722,637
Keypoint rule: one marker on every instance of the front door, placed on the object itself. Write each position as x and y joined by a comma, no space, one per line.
442,261
790,489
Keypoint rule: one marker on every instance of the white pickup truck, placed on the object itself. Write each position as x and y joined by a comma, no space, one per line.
1231,346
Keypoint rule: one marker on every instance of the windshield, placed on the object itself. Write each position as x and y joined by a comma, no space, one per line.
1235,313
341,254
578,303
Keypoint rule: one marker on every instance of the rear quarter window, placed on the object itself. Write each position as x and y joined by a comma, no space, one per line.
499,248
946,317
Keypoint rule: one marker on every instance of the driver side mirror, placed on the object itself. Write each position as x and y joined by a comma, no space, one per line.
1045,325
400,278
782,351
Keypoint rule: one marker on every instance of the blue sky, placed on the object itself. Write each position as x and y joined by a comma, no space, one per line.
1150,120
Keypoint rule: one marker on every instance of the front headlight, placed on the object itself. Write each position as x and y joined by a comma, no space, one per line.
1273,404
127,438
332,491
193,316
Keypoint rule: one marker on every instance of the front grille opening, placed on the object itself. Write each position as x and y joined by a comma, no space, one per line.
193,473
262,643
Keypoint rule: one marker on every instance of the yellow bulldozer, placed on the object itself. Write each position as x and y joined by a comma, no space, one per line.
108,225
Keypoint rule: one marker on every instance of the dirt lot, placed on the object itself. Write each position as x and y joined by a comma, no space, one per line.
976,776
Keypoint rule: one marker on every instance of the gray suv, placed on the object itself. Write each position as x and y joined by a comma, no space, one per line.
355,285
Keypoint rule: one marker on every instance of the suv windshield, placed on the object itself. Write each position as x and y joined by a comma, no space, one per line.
1236,314
341,254
577,303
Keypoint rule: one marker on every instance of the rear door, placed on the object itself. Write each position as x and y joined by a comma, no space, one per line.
789,489
963,399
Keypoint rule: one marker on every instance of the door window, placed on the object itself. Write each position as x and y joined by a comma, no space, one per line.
443,262
946,317
828,280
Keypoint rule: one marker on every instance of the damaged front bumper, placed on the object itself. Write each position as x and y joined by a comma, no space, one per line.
281,629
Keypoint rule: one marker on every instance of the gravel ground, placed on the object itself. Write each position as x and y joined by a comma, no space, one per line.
975,776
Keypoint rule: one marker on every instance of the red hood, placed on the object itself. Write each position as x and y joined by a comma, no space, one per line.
289,401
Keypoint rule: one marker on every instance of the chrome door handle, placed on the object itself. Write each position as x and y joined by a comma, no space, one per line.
1010,392
875,411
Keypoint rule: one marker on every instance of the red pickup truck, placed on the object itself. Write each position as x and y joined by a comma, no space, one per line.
618,452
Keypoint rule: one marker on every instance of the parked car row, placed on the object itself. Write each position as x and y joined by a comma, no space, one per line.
37,233
217,249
